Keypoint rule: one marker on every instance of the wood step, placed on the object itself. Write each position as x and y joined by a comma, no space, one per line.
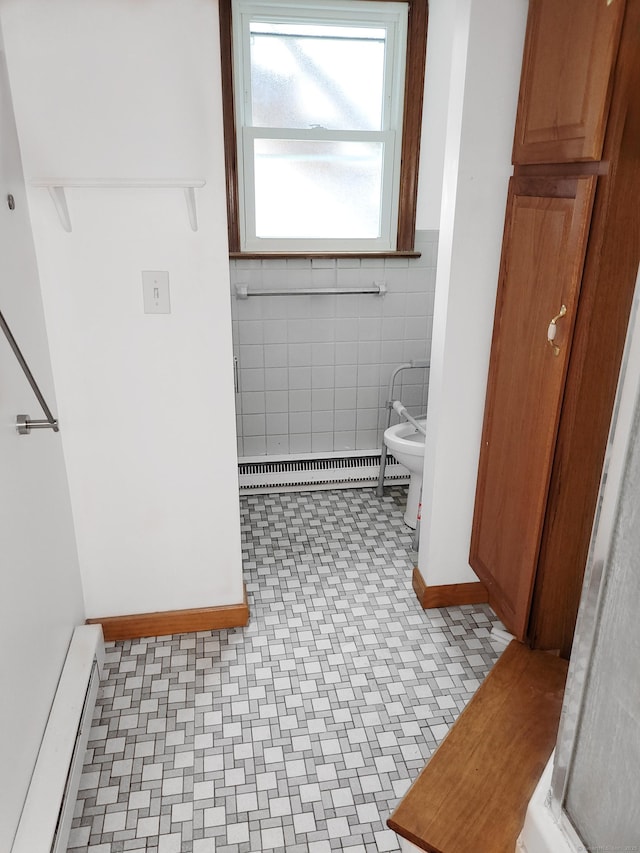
472,795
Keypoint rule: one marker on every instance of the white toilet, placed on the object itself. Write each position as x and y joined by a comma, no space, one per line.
406,444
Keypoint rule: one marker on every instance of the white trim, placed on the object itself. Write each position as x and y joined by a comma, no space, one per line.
541,833
48,808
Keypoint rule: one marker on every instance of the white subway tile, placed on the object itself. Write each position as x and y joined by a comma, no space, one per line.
322,330
325,305
321,422
345,398
300,401
347,307
277,444
367,398
276,379
391,357
298,264
370,305
344,440
322,354
369,328
346,329
369,352
367,439
322,399
394,304
395,263
415,349
299,378
299,355
323,377
417,304
275,355
368,374
278,424
367,419
252,379
255,445
276,401
299,422
322,442
345,420
347,376
296,306
275,331
346,353
252,425
251,332
415,327
348,277
298,330
252,404
252,356
300,443
249,309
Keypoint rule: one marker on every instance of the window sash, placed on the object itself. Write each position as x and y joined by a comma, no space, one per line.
408,145
388,210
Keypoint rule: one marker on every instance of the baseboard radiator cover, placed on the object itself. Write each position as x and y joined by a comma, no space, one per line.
304,472
45,822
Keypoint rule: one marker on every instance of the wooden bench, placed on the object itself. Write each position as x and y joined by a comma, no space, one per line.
472,795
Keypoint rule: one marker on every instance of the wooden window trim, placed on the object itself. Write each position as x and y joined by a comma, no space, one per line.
411,127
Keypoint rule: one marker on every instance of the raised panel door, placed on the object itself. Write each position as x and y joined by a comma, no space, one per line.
565,88
546,230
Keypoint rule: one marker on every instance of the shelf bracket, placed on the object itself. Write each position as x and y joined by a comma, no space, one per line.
59,198
56,188
190,198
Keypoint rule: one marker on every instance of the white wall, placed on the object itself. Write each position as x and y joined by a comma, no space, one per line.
487,56
40,592
440,35
132,90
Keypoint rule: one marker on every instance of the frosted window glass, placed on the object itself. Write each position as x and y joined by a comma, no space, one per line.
317,189
317,76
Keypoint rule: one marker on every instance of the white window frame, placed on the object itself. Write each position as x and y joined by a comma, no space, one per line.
392,16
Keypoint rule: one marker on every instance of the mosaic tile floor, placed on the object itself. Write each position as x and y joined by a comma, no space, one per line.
300,732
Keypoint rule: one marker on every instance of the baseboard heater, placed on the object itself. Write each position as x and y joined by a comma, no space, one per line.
45,822
303,472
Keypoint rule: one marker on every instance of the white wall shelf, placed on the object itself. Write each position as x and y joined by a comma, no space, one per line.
57,187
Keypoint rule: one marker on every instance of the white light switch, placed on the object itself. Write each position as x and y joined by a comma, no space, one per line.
155,292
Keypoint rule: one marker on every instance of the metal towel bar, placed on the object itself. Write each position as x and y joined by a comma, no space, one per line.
24,424
243,292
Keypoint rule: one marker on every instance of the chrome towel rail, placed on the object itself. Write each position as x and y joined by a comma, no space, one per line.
243,292
24,424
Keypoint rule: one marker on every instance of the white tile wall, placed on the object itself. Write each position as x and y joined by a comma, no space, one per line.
313,371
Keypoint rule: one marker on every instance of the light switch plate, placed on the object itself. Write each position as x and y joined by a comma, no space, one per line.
155,292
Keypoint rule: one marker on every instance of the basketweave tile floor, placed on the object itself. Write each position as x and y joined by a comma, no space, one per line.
301,731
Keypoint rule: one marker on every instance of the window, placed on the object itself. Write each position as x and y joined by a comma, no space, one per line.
322,106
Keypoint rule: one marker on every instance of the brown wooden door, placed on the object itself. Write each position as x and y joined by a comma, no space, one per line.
546,230
565,88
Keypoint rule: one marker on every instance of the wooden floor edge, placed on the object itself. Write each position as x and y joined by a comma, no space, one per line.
482,774
165,622
448,595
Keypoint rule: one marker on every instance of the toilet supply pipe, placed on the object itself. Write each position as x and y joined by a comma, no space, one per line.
400,409
410,365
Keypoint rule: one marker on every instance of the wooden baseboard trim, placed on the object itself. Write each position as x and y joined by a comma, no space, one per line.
448,595
174,621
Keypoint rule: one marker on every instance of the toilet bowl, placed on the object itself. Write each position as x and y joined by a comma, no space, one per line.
406,444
